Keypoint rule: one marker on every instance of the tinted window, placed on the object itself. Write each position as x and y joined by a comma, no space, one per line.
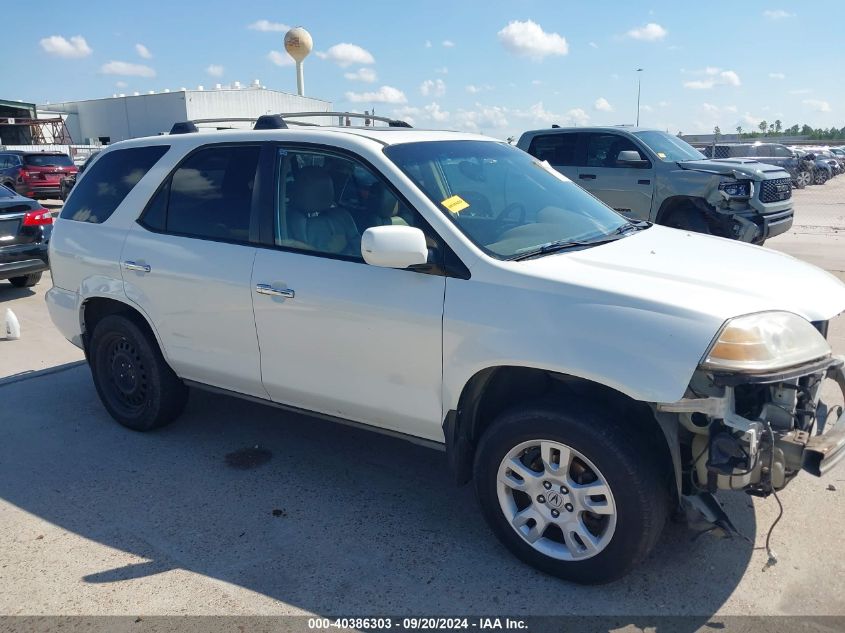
48,160
6,193
109,181
668,148
325,202
603,149
557,149
781,151
211,193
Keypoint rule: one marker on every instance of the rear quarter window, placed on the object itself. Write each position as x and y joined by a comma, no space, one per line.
108,181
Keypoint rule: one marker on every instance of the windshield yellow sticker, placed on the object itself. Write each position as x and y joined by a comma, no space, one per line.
661,155
455,204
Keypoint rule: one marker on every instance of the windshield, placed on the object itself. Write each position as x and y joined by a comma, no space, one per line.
48,160
504,200
668,148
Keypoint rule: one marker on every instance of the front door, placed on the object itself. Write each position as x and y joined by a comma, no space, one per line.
339,336
626,189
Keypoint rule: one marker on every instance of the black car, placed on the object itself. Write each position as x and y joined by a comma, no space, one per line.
25,228
800,171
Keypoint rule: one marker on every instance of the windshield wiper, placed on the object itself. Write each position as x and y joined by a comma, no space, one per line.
562,245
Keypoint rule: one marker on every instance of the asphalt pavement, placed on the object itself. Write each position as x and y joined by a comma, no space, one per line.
326,519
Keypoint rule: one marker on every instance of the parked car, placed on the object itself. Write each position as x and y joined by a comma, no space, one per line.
651,175
25,228
68,182
34,174
589,372
800,170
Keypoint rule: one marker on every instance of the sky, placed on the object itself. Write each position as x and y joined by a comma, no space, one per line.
497,67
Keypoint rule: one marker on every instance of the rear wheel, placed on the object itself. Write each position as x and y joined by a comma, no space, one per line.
134,382
820,177
25,281
571,492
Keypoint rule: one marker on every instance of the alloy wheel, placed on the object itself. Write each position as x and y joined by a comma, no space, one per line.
556,500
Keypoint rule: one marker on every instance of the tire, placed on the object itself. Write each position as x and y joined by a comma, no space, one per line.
803,179
686,218
26,281
632,514
820,177
135,384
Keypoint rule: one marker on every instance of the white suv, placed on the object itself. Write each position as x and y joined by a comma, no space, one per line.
590,374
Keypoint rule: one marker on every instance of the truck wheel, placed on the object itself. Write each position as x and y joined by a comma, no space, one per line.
25,281
570,491
687,219
134,382
803,179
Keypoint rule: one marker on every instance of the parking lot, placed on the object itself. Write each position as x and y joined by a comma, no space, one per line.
100,520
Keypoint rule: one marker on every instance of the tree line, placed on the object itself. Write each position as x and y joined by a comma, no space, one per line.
764,129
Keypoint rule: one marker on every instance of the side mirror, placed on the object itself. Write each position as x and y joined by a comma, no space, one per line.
631,158
394,246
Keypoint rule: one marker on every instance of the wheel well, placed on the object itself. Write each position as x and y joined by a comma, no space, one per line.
489,392
677,202
96,309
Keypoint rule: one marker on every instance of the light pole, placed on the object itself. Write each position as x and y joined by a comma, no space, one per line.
639,70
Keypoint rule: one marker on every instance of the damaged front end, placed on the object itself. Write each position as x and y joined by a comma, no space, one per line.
747,423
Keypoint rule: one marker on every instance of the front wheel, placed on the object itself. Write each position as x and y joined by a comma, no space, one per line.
803,179
571,492
135,384
686,219
25,281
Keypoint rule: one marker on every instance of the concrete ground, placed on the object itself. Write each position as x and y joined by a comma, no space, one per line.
97,519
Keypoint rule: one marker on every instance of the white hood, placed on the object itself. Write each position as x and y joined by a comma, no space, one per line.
714,276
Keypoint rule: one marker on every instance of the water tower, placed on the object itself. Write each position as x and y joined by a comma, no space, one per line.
298,44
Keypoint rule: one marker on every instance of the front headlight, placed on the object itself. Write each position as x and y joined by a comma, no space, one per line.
736,188
763,342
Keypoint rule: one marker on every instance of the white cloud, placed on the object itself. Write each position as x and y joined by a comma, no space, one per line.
663,104
434,112
143,51
817,105
593,45
347,54
385,94
777,14
714,77
603,105
538,115
651,32
435,88
482,118
268,26
800,91
536,82
127,69
215,70
473,89
76,46
528,39
120,84
777,76
278,58
448,44
577,116
443,70
367,75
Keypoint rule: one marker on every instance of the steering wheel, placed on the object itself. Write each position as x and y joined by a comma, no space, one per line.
510,210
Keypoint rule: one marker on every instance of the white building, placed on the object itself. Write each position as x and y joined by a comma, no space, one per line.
130,116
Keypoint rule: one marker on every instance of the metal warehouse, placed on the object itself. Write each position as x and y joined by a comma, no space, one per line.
129,116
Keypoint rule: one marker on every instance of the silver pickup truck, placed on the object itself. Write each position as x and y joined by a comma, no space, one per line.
651,175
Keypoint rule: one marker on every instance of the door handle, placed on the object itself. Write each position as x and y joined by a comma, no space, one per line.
267,289
587,176
643,182
141,268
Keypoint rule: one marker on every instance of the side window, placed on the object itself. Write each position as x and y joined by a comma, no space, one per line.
109,181
603,149
781,151
325,202
208,196
558,149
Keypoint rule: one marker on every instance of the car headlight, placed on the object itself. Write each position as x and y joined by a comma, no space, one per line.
736,188
766,341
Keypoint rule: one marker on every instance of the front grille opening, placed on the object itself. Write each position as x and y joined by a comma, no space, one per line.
775,190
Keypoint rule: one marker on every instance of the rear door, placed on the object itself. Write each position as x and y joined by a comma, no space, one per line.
627,189
187,263
560,149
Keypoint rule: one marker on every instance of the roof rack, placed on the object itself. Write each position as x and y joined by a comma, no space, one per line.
283,122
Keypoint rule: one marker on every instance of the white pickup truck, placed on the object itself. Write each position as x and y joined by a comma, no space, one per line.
590,373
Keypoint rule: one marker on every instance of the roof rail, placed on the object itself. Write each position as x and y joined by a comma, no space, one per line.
282,121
